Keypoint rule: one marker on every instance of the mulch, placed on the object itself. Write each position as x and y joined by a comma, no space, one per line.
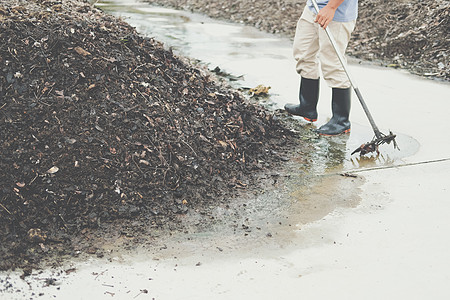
99,124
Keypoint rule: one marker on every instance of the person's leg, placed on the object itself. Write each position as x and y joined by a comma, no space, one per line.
336,78
305,50
332,70
306,46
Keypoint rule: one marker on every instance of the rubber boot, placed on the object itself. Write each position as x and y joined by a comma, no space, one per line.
339,123
308,96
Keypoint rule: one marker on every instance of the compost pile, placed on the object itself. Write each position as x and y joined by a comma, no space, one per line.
99,124
412,35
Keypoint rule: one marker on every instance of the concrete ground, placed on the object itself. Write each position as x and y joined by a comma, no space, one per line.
391,243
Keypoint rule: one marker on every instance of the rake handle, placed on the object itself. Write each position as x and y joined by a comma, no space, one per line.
352,82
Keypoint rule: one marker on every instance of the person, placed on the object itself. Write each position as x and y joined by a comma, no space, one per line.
311,46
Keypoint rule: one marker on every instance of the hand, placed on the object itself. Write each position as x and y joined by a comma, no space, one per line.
325,16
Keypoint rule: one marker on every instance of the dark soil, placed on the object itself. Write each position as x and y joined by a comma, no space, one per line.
409,34
102,130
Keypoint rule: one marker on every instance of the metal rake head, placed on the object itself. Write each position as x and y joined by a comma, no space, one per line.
373,145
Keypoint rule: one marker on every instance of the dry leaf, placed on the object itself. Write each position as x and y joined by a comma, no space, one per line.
53,170
81,51
20,184
260,89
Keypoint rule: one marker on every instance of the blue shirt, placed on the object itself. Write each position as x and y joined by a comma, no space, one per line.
346,12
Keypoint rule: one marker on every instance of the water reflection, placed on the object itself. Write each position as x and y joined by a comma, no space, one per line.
331,153
372,160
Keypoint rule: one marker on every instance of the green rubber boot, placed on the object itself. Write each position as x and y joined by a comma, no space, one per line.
308,96
339,123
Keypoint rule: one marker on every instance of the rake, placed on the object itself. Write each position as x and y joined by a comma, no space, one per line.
379,137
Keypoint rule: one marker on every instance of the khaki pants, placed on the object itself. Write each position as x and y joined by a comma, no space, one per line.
311,45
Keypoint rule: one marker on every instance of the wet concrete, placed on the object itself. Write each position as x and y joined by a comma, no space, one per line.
382,235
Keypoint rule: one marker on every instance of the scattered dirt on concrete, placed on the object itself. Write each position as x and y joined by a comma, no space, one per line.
105,134
412,35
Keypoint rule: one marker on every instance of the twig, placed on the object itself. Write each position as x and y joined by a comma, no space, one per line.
137,68
64,221
139,168
98,274
146,100
144,291
34,179
5,209
190,147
